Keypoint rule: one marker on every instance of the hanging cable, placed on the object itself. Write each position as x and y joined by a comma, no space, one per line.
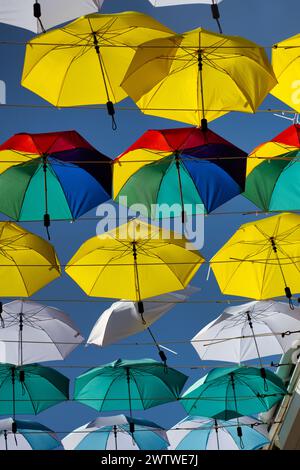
239,428
216,14
286,288
131,424
1,318
109,105
262,369
46,214
177,163
200,68
37,13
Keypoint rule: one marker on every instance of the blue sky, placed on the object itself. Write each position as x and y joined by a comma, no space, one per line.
265,22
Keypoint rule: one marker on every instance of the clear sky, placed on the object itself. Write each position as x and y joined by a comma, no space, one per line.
265,22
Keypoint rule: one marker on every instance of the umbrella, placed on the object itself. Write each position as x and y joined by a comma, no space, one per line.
249,331
84,62
184,166
38,15
129,384
55,175
134,261
122,319
198,433
214,6
31,332
232,392
113,433
198,75
26,435
276,163
30,389
27,262
285,61
266,254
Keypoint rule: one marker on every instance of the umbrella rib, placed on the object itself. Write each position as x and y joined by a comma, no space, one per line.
25,190
287,255
108,390
136,384
265,270
29,394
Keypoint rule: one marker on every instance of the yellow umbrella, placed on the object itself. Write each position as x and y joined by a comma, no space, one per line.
286,63
27,262
84,62
198,75
262,259
134,261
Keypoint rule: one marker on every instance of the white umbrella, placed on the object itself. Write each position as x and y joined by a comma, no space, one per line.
213,3
122,318
197,433
26,435
53,12
115,433
246,323
30,332
166,3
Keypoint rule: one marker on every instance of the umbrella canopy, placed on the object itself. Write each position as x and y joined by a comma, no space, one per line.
84,62
214,6
134,261
55,175
31,332
198,75
26,435
198,433
285,61
122,319
266,253
129,385
233,392
276,164
166,3
113,433
248,331
49,13
27,261
187,166
30,389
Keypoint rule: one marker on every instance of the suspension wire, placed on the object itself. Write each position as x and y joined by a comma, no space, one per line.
97,107
158,398
147,46
209,342
204,427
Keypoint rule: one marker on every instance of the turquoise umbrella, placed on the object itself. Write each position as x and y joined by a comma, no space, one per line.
30,389
233,392
129,385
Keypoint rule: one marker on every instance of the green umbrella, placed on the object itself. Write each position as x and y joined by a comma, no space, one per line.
233,392
129,385
30,389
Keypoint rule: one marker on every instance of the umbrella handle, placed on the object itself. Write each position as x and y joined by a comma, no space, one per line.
216,15
37,13
1,318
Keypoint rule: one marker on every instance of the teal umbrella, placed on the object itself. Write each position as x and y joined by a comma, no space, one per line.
30,389
129,385
233,392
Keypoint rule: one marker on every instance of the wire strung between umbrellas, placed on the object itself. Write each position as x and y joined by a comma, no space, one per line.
207,342
220,426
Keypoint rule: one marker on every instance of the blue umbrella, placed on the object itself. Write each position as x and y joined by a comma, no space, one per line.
198,433
26,435
115,433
